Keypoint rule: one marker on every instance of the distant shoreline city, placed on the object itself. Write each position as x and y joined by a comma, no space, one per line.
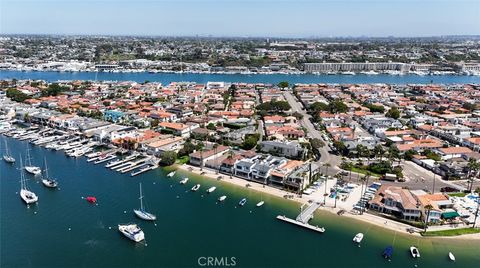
346,56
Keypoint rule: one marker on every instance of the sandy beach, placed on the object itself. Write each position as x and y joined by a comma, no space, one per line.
318,196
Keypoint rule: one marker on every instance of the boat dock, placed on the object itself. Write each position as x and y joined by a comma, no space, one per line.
145,169
307,214
121,162
134,165
304,216
305,225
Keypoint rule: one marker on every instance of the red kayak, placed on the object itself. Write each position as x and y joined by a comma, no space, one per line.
91,199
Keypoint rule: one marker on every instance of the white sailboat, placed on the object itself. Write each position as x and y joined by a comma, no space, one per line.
46,180
132,231
141,213
28,196
7,156
29,167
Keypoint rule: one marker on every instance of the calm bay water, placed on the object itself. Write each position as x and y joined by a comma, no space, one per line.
166,78
190,225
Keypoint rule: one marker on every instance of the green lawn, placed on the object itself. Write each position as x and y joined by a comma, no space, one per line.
453,232
458,194
183,160
363,171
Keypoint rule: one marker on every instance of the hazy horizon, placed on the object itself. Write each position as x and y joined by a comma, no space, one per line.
242,18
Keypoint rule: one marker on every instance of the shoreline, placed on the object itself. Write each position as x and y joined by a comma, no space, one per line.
384,223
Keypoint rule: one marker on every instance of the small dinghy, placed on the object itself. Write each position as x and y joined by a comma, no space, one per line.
358,238
221,198
387,252
451,256
196,187
184,181
171,174
259,204
242,202
91,199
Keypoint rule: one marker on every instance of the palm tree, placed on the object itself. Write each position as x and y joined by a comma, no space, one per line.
378,151
428,208
473,167
326,165
478,206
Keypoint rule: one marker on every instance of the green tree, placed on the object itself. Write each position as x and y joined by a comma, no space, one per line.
393,113
283,84
168,158
250,142
211,126
16,95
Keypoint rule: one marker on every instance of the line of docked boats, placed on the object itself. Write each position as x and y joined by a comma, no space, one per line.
222,198
388,251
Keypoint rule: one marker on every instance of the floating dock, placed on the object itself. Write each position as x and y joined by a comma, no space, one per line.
145,169
304,216
305,225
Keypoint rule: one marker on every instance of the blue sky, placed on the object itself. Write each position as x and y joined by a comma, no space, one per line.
279,18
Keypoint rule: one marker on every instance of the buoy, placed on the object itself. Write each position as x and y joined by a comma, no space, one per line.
35,212
69,229
110,227
124,211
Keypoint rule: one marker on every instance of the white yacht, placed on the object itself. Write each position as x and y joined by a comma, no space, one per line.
7,156
132,231
28,196
221,198
46,180
211,189
358,238
184,181
29,167
141,213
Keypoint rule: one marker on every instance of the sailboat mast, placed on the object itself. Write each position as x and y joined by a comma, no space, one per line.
141,197
46,168
21,174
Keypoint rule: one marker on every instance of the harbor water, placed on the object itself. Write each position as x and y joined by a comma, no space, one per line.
64,230
166,78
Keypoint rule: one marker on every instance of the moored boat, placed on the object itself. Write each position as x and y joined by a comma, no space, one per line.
91,199
184,181
222,198
171,174
7,156
451,256
414,251
141,213
387,252
358,238
242,202
211,189
27,196
196,187
259,204
132,231
46,180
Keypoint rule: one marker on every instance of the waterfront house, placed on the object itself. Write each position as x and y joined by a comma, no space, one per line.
199,158
396,201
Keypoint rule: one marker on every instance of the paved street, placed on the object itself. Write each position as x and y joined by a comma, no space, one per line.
326,156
